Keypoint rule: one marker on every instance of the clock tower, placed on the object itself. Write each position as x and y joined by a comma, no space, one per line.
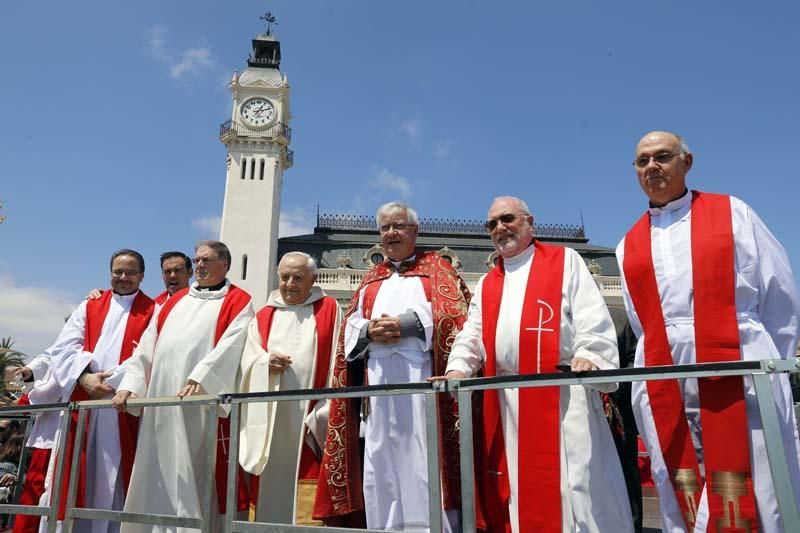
257,138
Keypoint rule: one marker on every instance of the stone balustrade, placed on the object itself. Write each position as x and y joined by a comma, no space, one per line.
341,283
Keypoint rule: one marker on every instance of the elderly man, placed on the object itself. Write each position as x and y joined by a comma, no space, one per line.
400,325
705,281
86,362
290,345
192,346
546,459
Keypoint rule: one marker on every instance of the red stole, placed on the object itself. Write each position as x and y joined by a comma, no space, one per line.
539,459
325,310
96,311
234,302
731,500
162,298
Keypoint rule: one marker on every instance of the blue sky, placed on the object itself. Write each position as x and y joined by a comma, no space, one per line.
111,113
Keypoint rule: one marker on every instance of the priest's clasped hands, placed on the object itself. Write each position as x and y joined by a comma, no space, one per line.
384,330
279,362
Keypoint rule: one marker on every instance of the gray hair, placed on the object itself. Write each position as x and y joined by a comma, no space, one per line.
219,248
390,207
684,146
522,204
311,264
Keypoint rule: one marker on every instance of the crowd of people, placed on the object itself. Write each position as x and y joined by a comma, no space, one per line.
703,279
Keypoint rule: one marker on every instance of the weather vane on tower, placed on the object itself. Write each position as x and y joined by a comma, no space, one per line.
269,20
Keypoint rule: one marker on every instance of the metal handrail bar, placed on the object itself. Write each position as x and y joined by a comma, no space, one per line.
759,371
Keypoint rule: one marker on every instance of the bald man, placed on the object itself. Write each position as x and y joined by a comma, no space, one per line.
705,281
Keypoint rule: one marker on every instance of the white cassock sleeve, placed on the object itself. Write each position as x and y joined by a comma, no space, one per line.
468,353
778,304
39,366
257,419
595,338
67,358
216,372
355,323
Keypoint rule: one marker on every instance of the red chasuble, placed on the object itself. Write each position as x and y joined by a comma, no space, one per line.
539,460
340,489
96,311
728,475
325,310
234,302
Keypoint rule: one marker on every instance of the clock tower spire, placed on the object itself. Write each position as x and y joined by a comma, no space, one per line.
257,138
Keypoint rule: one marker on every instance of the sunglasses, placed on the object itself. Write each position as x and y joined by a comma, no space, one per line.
662,158
506,219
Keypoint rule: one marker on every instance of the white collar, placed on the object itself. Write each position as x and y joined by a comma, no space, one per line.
674,205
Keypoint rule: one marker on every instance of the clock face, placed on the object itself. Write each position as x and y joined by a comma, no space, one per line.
257,112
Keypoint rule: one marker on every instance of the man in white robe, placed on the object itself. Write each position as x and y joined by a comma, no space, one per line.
41,437
86,364
290,345
592,492
400,324
764,311
192,346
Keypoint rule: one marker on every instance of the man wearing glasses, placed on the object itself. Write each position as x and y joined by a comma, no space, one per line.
192,346
705,281
545,458
86,362
399,326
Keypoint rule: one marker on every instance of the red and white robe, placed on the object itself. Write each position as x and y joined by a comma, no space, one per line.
197,335
723,290
111,326
545,458
284,440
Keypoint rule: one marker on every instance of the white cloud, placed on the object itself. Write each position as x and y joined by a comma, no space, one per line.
442,149
180,64
208,225
412,128
384,179
32,316
296,221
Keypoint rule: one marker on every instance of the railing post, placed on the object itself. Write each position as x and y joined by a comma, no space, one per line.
74,471
467,459
60,467
233,469
434,476
776,453
22,470
211,461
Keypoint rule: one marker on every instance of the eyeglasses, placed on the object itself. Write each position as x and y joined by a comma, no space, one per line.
506,219
397,227
120,273
198,260
662,158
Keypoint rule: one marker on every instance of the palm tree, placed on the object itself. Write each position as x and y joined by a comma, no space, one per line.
9,358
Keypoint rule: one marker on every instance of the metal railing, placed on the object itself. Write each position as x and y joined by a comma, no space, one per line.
760,371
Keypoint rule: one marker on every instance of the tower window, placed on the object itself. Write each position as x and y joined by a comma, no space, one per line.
261,173
244,167
244,267
253,168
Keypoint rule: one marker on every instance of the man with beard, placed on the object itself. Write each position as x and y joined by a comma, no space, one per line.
545,459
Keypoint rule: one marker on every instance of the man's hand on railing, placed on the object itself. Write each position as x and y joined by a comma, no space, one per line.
453,374
120,399
191,387
95,385
579,364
